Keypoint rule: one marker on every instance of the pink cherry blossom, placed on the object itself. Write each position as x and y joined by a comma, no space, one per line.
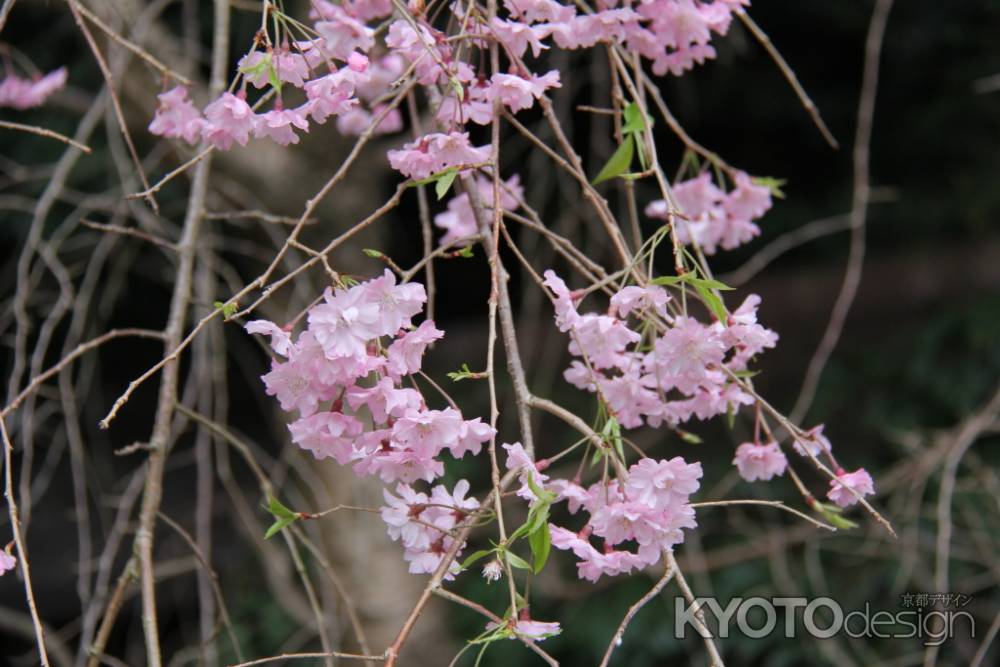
277,125
384,399
396,304
534,11
517,36
518,459
684,355
177,117
342,34
531,630
632,298
760,461
813,442
297,383
423,523
331,95
327,435
19,93
7,562
471,437
840,488
663,483
228,119
406,352
290,68
345,322
518,93
281,340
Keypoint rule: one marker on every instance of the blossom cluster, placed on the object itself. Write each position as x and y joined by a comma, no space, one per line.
20,93
343,365
658,377
713,218
423,523
649,508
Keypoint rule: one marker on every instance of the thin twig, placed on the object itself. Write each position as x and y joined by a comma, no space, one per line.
130,231
789,75
41,131
22,552
616,639
698,618
134,48
767,503
306,656
102,64
80,349
859,211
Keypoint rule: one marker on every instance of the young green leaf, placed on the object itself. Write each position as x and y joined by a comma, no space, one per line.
465,252
620,161
228,309
713,302
279,511
540,542
277,526
372,253
668,280
516,561
464,373
444,183
772,184
706,282
476,556
635,120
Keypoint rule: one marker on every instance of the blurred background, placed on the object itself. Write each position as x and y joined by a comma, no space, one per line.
907,392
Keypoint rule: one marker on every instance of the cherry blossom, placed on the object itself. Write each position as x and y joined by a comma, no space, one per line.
19,93
760,461
7,562
228,119
840,488
177,117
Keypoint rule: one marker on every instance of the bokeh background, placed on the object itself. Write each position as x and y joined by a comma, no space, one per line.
919,355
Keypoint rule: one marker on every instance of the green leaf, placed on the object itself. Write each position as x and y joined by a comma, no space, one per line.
444,183
635,120
706,282
832,514
689,437
277,526
228,309
540,493
772,184
540,542
517,561
372,253
668,280
463,373
275,507
537,518
272,78
730,416
465,252
598,455
619,163
476,556
713,302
